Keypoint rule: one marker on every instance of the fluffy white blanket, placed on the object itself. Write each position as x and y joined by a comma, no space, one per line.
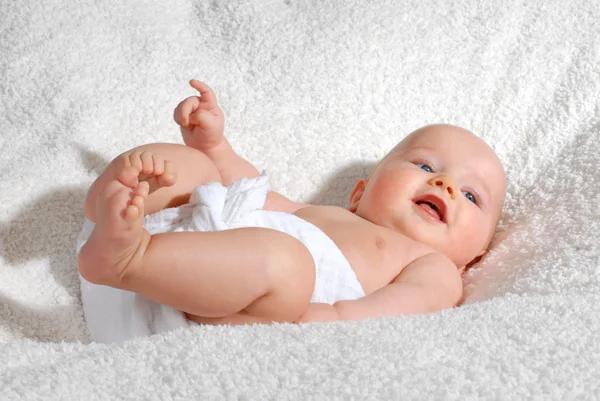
315,92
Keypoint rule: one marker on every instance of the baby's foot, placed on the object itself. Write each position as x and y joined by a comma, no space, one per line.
149,167
118,241
201,119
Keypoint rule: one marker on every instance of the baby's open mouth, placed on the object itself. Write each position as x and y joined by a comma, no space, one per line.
433,206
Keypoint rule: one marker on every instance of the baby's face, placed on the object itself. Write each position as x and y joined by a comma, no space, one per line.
441,186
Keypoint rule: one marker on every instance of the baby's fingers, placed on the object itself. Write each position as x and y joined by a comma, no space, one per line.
182,112
207,94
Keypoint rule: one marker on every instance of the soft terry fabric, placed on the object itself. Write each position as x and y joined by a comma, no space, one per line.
114,315
315,91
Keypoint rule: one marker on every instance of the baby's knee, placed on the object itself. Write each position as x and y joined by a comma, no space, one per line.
291,271
186,159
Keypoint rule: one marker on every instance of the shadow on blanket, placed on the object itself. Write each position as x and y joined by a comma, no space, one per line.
336,191
45,229
37,323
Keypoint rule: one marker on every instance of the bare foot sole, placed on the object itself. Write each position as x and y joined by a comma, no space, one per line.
119,238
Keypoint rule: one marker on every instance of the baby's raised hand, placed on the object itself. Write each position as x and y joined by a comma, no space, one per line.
200,118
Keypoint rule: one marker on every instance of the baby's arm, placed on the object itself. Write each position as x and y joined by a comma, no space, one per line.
428,284
202,126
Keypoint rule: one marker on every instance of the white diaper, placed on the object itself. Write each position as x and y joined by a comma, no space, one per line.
114,315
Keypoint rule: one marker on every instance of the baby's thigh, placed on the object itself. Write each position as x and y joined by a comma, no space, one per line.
292,277
288,273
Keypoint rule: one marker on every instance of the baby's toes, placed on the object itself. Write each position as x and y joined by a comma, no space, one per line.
135,208
112,204
158,163
148,165
143,189
129,176
135,160
169,175
133,211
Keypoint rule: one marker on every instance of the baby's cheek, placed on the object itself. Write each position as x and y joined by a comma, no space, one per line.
385,196
392,186
476,236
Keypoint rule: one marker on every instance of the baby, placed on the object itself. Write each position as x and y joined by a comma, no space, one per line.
426,213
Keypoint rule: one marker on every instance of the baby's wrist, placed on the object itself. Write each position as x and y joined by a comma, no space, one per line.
219,150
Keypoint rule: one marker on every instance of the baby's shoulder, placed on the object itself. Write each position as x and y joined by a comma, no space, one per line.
435,271
324,211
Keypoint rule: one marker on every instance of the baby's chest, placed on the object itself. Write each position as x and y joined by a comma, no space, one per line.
376,256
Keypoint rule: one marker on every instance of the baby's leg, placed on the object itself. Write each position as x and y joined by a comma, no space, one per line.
172,170
264,274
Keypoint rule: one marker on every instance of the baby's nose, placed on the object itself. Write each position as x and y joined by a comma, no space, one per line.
446,183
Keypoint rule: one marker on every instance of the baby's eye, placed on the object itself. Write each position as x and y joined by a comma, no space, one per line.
425,167
470,197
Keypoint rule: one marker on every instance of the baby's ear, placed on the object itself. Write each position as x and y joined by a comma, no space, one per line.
356,194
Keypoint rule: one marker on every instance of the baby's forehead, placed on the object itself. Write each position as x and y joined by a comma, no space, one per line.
437,136
451,144
449,141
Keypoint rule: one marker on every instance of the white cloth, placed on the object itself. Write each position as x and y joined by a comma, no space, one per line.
114,315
